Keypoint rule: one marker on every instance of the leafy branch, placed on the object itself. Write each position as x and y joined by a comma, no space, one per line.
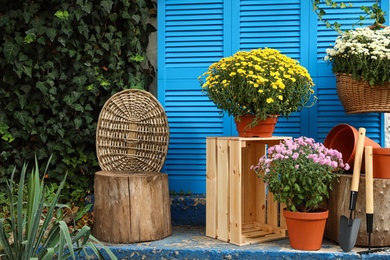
373,12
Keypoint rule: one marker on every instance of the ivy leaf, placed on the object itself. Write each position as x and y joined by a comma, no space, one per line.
87,7
10,51
9,78
27,68
77,123
61,132
137,58
79,80
79,108
107,5
68,100
22,100
41,86
43,136
136,18
63,15
51,33
22,117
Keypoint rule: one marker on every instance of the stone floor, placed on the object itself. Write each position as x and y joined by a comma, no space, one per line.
190,242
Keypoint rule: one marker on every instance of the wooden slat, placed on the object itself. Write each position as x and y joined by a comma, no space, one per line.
282,219
235,192
272,210
211,187
223,189
249,182
260,197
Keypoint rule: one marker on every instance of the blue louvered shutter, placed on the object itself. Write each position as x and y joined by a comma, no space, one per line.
192,34
273,24
191,37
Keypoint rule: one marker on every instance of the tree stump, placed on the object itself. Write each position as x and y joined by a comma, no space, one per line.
338,205
131,207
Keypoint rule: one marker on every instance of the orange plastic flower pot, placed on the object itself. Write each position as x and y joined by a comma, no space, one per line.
306,230
264,128
343,138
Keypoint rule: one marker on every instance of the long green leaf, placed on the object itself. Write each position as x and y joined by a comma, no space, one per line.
51,209
65,239
51,241
19,211
49,254
35,209
4,242
96,241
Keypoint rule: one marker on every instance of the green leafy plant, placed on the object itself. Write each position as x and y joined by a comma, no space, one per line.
373,12
34,232
260,82
363,53
60,61
299,172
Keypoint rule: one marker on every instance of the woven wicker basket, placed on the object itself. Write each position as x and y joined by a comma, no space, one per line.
132,133
358,96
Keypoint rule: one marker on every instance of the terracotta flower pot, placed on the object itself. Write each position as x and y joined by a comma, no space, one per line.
343,138
381,163
264,128
306,230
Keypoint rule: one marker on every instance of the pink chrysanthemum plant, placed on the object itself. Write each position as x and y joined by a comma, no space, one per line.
299,172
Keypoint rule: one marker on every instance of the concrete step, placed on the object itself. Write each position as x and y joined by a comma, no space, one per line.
190,242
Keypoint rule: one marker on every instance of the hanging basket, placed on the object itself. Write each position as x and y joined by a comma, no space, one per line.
358,96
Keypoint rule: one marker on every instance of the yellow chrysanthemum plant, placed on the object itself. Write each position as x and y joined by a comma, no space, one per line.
261,82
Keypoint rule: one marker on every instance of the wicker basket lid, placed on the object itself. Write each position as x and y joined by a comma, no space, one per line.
132,133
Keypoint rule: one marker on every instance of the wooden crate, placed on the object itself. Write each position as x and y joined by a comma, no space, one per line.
239,210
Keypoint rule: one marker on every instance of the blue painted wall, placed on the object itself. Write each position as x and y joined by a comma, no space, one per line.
193,34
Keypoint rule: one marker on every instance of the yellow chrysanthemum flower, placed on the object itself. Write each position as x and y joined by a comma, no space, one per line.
248,81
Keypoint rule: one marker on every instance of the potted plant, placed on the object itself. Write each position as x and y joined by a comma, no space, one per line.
360,60
299,172
263,83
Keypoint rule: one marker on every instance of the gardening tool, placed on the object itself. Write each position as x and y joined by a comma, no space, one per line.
369,199
349,227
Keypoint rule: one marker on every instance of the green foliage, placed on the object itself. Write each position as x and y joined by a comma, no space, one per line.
373,12
60,61
31,231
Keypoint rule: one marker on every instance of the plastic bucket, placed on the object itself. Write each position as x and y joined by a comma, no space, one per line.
343,138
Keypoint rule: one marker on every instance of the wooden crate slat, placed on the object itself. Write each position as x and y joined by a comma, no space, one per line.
211,188
235,192
223,190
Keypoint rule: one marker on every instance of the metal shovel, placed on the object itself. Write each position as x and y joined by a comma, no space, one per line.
349,227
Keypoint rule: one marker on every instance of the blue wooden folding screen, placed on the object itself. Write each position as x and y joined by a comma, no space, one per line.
192,34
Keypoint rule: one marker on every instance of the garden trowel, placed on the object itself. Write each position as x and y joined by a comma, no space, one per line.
349,227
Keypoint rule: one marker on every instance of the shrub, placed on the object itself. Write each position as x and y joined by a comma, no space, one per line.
60,61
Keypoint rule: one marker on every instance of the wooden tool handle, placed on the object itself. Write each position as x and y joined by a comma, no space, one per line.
369,180
358,159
